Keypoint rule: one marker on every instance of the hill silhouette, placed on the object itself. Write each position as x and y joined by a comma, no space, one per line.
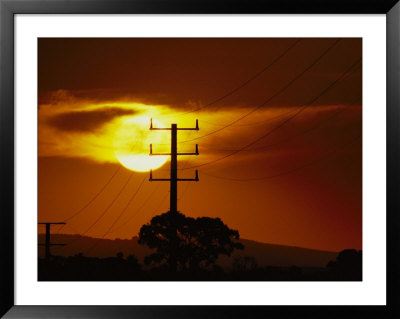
263,254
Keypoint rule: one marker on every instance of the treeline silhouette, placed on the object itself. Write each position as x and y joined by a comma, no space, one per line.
347,267
186,248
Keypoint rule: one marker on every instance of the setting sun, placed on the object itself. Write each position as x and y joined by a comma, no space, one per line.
132,141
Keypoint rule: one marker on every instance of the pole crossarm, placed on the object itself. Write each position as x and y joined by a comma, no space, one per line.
53,244
58,223
187,154
47,243
174,162
196,179
160,128
151,179
169,154
187,129
170,128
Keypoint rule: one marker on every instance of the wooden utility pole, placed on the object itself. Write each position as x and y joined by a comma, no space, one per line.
48,243
174,163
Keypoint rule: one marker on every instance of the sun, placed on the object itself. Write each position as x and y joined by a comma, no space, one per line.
132,144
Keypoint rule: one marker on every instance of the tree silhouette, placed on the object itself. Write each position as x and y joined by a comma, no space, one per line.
186,243
348,265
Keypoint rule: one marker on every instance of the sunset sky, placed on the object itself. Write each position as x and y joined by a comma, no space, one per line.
280,135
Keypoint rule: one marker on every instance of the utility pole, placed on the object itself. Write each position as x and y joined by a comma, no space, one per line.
174,163
48,243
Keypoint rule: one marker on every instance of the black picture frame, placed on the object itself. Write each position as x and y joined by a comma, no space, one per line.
8,10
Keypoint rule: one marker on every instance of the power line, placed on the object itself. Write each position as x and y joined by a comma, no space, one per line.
282,89
119,216
251,79
184,191
301,109
287,139
253,123
110,205
160,203
126,207
282,141
154,211
258,122
327,155
188,184
62,227
145,202
135,213
83,208
105,210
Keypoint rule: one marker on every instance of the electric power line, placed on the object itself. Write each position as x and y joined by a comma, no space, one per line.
251,79
119,216
301,109
125,208
253,123
184,191
109,205
105,210
160,203
326,156
155,210
135,213
83,208
282,89
287,139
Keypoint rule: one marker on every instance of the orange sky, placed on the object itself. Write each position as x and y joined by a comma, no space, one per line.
297,108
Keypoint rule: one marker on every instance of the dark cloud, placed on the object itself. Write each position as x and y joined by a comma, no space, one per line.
104,96
87,121
190,73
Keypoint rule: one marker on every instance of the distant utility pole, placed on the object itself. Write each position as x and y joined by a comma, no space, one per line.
47,243
174,163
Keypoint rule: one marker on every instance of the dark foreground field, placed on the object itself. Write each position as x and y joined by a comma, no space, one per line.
122,260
